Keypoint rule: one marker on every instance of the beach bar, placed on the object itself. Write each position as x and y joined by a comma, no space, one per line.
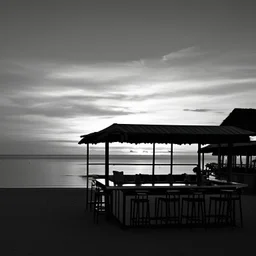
127,199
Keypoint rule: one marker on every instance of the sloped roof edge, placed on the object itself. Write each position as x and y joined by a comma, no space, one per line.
178,134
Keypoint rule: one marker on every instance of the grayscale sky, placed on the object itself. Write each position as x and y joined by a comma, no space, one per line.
69,68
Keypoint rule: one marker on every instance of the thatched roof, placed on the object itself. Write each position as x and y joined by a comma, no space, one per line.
237,149
244,118
178,134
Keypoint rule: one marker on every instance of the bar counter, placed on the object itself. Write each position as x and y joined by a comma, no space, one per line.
120,195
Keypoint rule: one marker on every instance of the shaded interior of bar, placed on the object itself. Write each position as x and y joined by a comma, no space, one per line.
166,200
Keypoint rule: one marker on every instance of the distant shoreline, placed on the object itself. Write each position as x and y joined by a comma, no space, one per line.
18,156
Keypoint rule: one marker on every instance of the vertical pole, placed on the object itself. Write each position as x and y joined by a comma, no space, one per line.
199,156
219,157
199,174
171,167
107,199
247,161
203,161
87,175
229,179
106,163
241,161
153,163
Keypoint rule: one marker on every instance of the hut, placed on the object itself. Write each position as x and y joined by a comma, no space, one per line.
165,134
243,153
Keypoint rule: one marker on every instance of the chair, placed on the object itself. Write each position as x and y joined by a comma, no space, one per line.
140,209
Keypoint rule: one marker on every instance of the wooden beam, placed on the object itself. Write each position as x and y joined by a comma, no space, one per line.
106,163
241,161
229,178
87,175
171,166
153,162
219,158
203,161
247,161
199,156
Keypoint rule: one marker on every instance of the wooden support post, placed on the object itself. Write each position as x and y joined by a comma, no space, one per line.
247,161
241,161
229,169
87,175
199,174
219,158
202,161
199,156
153,162
106,163
171,167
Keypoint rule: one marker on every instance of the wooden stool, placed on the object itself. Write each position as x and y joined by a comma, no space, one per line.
99,204
92,194
169,202
196,210
139,210
225,207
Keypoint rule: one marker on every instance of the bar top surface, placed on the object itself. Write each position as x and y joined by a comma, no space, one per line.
133,186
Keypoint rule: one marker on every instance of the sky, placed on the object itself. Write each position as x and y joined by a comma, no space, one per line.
69,68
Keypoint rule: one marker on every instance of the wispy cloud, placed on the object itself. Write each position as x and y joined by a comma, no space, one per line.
56,97
198,110
186,53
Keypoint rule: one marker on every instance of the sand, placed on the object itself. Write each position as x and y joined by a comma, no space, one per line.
54,222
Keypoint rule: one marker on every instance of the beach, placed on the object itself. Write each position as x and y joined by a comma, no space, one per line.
53,221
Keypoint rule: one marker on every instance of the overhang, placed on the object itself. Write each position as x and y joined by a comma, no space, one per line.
177,134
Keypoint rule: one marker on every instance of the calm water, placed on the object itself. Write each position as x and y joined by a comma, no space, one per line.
60,171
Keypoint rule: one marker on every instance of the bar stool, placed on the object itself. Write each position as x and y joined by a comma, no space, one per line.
171,203
92,192
225,207
99,204
196,210
140,210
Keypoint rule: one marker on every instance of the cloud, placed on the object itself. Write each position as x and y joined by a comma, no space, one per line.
198,110
59,101
189,52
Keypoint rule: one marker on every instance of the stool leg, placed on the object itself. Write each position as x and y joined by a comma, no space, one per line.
179,220
234,213
148,214
241,213
131,212
181,216
174,210
209,211
193,213
142,214
187,212
137,214
156,210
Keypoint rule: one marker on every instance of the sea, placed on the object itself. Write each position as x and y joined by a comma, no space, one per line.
69,171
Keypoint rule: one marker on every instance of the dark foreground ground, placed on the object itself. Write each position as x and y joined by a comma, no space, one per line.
53,222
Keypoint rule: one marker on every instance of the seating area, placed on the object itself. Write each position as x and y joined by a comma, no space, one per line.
184,205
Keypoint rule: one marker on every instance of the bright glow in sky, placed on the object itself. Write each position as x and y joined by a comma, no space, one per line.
79,68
